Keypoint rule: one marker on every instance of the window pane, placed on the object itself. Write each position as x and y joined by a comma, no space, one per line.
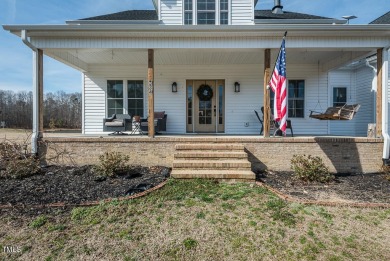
339,96
224,18
188,18
135,102
188,5
224,6
220,104
206,18
189,104
204,5
114,89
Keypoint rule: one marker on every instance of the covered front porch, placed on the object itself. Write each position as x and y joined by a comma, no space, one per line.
319,59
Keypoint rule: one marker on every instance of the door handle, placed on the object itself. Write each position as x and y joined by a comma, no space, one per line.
215,110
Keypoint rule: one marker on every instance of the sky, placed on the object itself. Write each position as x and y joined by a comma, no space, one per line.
16,58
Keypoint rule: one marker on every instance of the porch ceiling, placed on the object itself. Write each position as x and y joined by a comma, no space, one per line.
83,58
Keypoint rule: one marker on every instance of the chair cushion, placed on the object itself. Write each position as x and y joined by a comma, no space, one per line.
159,114
114,123
145,123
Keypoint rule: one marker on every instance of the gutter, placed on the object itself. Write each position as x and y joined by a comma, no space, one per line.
385,106
35,128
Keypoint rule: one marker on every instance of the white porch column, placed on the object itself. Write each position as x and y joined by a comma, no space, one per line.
37,99
385,102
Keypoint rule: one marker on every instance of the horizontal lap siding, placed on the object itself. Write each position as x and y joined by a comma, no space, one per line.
95,91
171,12
316,96
239,106
242,12
343,78
365,97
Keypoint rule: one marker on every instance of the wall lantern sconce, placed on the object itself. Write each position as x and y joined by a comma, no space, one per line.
174,87
236,87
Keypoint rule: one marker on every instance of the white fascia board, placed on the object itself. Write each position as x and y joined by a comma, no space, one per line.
300,21
154,30
99,22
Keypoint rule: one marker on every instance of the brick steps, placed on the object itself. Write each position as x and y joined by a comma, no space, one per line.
217,161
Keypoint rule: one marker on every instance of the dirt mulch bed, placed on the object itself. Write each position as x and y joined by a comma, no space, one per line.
347,188
76,185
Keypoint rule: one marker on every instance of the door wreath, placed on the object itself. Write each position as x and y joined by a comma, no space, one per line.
205,92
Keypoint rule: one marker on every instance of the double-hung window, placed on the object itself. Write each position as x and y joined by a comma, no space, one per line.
125,98
135,93
206,12
114,97
296,98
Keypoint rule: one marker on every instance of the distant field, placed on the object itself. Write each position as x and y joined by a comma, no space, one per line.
20,135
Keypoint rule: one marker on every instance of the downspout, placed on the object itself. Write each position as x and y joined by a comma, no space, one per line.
374,86
385,105
35,128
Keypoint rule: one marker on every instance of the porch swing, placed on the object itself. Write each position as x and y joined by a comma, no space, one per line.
345,112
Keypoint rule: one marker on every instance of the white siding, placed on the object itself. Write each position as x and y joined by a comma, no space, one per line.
342,78
359,84
366,98
171,12
239,106
242,12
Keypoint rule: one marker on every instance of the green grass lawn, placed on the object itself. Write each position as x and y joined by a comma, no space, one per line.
201,220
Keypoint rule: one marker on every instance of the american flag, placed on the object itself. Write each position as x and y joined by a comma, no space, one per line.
278,86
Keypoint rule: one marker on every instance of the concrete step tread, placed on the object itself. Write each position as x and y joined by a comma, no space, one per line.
205,154
212,173
211,161
209,146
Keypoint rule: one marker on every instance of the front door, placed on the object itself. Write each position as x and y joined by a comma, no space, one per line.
205,106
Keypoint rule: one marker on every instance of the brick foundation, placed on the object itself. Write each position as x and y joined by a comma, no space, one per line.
356,155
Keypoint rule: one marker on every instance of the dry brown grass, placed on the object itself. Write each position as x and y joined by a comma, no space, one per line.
15,135
201,220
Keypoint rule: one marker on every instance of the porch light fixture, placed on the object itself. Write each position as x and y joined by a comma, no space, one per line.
174,87
236,87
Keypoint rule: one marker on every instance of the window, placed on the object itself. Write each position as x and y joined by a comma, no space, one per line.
206,12
114,97
188,12
224,12
339,96
135,94
296,98
119,97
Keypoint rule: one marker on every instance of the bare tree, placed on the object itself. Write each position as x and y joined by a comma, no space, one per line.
61,110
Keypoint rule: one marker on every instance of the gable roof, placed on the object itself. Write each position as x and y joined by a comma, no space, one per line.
384,19
126,15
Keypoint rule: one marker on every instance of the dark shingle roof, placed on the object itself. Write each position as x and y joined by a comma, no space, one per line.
267,14
384,19
127,15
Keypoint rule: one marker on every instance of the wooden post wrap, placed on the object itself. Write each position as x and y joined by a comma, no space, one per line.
151,93
379,93
267,77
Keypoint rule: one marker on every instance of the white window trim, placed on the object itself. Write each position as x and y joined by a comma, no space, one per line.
217,12
125,93
304,98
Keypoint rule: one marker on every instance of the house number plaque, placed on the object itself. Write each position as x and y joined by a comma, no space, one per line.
150,89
